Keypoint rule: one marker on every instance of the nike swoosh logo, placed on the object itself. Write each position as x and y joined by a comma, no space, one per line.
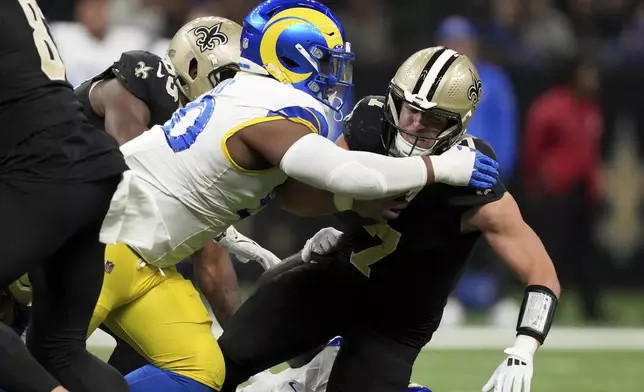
159,73
292,385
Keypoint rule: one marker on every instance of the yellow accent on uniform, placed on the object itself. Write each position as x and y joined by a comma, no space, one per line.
285,19
317,126
322,22
161,316
255,121
230,133
269,54
191,196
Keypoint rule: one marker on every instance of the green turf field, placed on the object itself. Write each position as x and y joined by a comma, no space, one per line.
555,370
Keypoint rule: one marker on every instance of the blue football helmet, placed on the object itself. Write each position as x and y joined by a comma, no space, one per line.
417,388
301,43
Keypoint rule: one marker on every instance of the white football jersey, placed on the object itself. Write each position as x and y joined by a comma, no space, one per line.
183,188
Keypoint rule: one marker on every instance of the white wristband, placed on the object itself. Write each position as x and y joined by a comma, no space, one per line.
441,168
527,343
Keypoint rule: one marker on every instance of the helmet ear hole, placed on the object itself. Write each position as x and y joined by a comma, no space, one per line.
193,69
289,62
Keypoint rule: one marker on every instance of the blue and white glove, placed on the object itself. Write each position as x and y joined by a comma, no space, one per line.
465,166
246,249
322,243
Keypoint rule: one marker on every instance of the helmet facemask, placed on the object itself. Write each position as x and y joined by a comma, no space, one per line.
333,78
300,43
442,128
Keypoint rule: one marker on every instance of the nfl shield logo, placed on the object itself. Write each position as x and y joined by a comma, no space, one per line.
109,267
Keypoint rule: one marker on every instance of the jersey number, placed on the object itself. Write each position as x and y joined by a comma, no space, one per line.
187,123
171,82
389,242
50,61
182,129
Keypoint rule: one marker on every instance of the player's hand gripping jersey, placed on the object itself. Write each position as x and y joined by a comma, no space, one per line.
183,188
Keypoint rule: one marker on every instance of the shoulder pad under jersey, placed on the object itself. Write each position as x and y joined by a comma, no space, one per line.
478,144
254,94
467,197
363,127
151,80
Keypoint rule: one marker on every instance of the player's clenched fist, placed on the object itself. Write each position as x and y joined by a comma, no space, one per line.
464,166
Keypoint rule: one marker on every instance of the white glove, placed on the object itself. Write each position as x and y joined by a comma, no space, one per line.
464,166
514,374
246,249
322,243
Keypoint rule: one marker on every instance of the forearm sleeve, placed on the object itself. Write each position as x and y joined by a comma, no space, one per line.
318,162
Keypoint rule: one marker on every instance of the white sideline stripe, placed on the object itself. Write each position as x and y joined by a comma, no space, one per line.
470,338
591,338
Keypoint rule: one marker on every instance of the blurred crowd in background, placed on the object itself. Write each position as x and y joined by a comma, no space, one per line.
563,107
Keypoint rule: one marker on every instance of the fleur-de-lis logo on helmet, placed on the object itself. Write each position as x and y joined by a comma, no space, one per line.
475,92
209,37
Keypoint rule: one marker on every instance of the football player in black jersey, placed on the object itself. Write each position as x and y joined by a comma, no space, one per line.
384,286
57,176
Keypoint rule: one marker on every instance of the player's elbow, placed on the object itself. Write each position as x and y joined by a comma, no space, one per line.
543,273
318,162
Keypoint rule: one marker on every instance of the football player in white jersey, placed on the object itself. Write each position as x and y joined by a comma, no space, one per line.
223,156
161,315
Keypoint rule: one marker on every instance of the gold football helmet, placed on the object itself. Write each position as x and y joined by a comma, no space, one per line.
21,290
204,52
444,87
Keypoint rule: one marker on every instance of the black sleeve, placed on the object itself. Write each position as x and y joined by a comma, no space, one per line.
363,127
467,197
145,76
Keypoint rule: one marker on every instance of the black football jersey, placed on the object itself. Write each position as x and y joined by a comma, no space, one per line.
147,77
34,92
416,258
